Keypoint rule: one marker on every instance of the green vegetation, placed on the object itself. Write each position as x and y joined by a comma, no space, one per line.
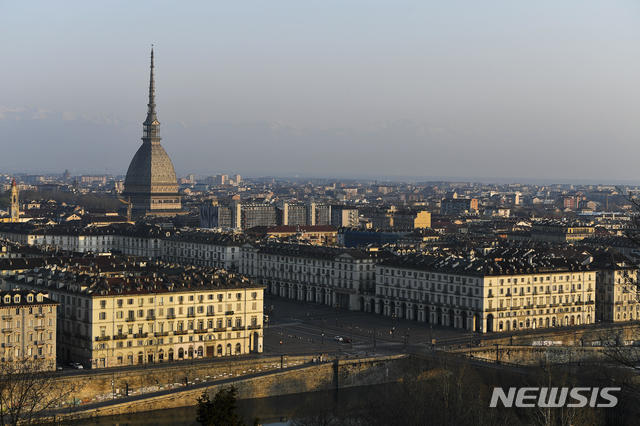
222,411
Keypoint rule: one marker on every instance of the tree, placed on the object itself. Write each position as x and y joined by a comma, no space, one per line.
222,411
27,392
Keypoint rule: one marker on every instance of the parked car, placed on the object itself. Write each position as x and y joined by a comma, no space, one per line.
76,365
339,339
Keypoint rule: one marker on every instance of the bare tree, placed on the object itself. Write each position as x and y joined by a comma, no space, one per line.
27,392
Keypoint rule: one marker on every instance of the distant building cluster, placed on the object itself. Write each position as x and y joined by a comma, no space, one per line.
246,215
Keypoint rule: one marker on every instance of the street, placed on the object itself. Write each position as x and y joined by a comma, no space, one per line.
296,327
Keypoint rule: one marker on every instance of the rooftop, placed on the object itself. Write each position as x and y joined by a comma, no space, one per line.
114,275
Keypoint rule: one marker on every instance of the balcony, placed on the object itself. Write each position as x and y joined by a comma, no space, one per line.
254,327
161,334
171,316
119,336
130,319
7,330
238,328
218,329
7,317
151,317
191,315
211,314
38,315
140,335
200,330
39,328
228,313
102,338
179,332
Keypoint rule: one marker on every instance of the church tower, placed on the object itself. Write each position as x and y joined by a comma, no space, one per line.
15,203
151,184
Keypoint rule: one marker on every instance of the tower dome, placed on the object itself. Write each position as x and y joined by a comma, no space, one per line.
151,185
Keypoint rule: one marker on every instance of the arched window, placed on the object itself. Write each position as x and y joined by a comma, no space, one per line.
238,349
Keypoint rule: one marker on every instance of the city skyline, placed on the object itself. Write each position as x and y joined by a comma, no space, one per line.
285,213
416,90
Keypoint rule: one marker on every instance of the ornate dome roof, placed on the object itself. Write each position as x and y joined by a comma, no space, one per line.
151,171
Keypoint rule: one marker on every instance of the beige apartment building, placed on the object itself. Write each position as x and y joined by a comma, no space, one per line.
498,293
28,328
119,311
332,276
617,289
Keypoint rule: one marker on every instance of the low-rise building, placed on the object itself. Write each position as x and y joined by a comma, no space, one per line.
317,235
458,206
558,231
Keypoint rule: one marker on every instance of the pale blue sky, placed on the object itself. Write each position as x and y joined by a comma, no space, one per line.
326,88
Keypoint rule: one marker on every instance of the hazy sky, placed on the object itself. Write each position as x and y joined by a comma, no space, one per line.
510,89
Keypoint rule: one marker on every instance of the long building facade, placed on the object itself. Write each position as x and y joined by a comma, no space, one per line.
485,295
213,249
325,275
120,311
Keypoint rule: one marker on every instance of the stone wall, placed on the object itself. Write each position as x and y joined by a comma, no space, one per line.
96,386
585,336
535,355
306,378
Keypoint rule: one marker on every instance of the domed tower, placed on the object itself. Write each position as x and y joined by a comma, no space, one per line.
151,186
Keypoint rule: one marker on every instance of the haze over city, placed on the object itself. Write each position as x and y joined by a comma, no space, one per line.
488,90
293,213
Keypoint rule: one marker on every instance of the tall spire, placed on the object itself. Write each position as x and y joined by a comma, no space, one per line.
151,124
15,204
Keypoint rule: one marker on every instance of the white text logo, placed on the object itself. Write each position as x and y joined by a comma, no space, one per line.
554,397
